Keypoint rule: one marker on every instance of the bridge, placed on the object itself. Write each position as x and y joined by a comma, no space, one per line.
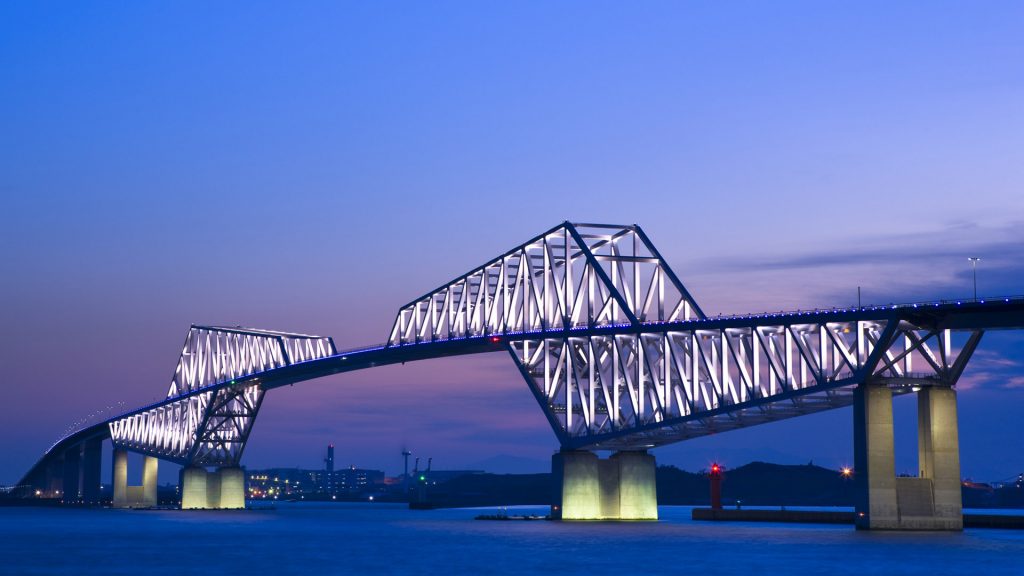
619,357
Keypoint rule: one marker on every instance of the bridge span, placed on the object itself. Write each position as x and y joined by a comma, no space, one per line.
619,357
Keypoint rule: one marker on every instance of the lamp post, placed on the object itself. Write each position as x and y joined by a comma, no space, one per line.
974,269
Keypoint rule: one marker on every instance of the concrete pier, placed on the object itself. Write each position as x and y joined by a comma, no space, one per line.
54,478
72,477
621,487
119,478
931,501
222,489
125,496
638,495
938,431
193,488
92,458
232,488
149,481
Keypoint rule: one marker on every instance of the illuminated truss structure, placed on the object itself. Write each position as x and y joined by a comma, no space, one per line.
207,417
612,345
620,356
574,276
632,389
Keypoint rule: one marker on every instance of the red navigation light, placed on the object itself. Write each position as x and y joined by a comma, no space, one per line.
715,468
495,339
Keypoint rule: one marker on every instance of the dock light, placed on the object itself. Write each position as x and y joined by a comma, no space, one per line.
846,471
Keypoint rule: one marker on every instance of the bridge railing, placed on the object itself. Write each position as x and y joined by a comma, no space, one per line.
865,308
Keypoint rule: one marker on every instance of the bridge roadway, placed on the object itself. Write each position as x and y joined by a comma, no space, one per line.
618,356
962,315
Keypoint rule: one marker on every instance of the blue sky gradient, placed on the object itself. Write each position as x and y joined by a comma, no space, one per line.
312,167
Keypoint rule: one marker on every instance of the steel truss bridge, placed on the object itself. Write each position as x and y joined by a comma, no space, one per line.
613,347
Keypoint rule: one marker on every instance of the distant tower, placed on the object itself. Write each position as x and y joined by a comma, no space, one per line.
329,471
406,454
329,461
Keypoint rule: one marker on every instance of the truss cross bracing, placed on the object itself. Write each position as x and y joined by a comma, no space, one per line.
638,388
209,416
572,277
612,345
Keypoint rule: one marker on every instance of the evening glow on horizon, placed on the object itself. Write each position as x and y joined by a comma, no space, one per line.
314,169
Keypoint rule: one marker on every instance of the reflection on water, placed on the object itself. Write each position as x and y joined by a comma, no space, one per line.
389,539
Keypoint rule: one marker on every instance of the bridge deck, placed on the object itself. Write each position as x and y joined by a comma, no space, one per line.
956,315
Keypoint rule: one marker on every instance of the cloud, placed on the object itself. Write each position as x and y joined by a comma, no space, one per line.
975,380
1003,244
995,367
907,267
994,358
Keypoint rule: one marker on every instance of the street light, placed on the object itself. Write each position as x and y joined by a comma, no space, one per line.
974,269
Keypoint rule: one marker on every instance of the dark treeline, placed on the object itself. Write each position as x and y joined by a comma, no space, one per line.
754,484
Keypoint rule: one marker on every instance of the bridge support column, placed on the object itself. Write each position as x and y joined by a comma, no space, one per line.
619,488
232,488
202,490
92,457
54,478
931,501
125,496
71,486
939,455
119,478
149,481
638,495
193,488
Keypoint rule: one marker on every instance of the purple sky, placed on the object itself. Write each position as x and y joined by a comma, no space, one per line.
310,168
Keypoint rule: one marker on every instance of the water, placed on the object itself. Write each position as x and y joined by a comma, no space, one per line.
389,539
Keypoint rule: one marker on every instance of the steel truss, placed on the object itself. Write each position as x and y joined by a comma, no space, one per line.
574,276
619,355
614,348
210,428
639,389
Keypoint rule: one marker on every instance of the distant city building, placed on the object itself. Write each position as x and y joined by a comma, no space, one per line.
302,484
354,480
283,483
328,478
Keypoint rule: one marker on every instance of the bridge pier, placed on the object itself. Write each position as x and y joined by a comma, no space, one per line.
126,496
939,454
222,489
92,458
931,501
587,487
54,478
72,475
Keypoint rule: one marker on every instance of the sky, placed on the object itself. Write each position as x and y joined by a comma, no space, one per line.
312,166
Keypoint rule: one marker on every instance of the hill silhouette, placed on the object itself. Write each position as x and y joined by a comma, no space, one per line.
753,484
